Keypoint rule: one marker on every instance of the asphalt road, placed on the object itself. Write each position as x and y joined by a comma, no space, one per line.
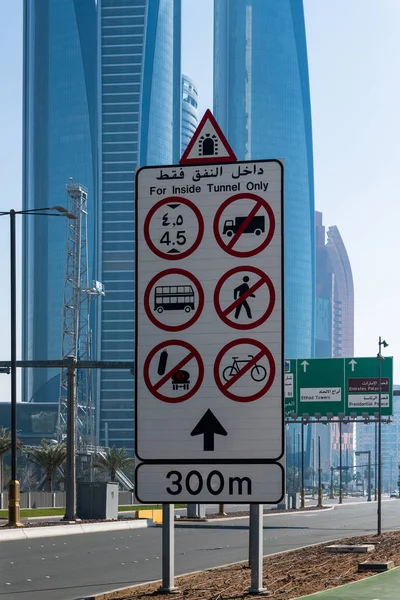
71,567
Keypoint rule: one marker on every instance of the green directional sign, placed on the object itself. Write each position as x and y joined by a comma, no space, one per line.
290,388
320,386
362,381
338,386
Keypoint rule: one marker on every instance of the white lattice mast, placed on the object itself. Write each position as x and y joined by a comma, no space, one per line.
76,332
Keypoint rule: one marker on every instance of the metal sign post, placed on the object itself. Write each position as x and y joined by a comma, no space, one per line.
168,550
256,550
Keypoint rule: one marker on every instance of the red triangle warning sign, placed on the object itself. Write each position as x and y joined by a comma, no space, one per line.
208,144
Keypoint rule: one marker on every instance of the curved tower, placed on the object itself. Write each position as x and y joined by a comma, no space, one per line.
343,297
59,137
262,103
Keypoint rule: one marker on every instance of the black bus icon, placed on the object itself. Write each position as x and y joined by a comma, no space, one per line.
173,297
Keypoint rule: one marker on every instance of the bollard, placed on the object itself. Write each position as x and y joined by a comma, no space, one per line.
221,510
14,507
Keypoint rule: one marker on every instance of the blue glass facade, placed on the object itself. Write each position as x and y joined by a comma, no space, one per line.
262,103
190,119
140,73
59,142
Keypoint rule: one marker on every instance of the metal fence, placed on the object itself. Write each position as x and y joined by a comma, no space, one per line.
56,499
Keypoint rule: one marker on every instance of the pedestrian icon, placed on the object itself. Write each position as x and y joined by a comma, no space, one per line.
239,292
244,297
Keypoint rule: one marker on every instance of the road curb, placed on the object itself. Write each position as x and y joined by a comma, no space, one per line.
23,533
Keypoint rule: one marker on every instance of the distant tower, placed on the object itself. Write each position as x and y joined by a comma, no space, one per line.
189,110
334,328
76,333
59,139
334,294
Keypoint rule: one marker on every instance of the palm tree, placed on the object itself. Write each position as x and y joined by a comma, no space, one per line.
5,446
48,457
112,460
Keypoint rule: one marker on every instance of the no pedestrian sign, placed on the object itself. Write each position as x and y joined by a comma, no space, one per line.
209,313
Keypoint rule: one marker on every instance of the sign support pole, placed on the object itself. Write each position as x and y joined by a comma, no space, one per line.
340,464
168,550
256,550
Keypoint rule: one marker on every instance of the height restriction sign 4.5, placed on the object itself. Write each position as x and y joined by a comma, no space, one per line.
209,313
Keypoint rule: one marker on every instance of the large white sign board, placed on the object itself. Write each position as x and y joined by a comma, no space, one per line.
209,327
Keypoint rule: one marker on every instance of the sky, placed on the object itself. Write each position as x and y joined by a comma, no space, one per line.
354,61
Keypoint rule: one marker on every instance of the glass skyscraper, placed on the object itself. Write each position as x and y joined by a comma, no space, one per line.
102,89
190,118
59,133
262,103
140,75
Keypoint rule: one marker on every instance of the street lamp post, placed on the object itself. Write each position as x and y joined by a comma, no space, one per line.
380,359
331,494
376,462
368,452
340,464
319,474
302,503
13,486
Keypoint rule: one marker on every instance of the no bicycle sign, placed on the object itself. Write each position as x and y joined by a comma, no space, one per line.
209,334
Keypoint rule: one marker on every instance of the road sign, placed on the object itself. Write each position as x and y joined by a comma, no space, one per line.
234,293
338,386
203,395
183,377
362,385
244,224
170,241
247,379
208,144
174,300
210,483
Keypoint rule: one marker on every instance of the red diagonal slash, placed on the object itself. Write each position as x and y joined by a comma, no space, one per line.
244,370
244,296
244,225
172,372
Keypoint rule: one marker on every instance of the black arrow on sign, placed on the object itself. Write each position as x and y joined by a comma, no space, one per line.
209,426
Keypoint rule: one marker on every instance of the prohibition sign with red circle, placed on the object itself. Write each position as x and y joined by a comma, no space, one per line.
224,386
259,203
263,280
197,312
200,233
153,388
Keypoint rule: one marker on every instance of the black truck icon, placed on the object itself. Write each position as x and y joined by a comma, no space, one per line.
256,225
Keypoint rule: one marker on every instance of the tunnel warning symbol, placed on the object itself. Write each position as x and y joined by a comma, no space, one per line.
208,144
